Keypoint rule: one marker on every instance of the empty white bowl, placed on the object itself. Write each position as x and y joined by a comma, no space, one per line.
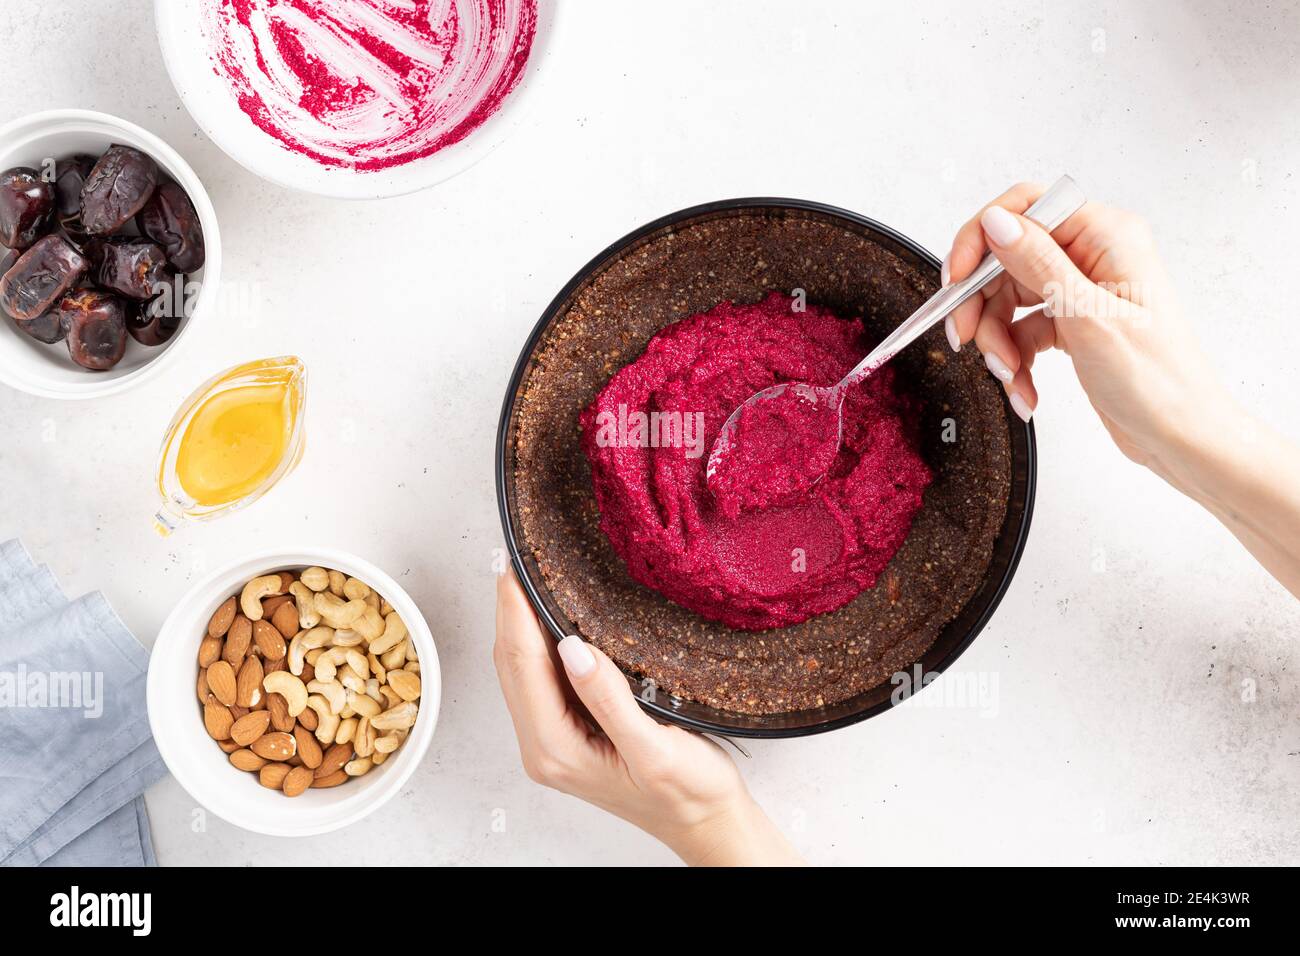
212,103
204,770
47,370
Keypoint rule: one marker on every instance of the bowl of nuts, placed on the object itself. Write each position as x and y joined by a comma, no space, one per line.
294,693
109,254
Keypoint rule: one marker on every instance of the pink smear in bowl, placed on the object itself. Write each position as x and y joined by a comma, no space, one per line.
369,84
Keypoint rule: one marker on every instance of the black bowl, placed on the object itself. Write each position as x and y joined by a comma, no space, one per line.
955,636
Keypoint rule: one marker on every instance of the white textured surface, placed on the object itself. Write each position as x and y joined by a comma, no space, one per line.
1121,733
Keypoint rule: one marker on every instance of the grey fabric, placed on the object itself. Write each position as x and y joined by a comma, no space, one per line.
75,747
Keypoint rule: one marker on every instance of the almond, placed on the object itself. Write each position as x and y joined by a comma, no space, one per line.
330,780
248,685
203,687
309,719
285,620
217,719
247,760
227,746
272,775
275,746
334,759
222,618
274,603
308,749
237,641
270,667
249,727
278,708
209,650
221,681
237,712
269,640
296,781
308,673
287,578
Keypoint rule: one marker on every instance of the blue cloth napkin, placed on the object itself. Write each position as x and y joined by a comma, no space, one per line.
75,747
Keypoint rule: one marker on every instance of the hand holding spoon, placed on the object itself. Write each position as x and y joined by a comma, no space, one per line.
800,426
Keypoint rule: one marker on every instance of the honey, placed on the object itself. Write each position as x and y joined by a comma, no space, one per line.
232,440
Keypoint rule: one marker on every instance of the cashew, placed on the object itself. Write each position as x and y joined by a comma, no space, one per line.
357,661
378,758
369,625
336,581
314,655
327,728
376,667
332,691
250,599
327,664
394,632
335,612
363,741
355,590
305,641
411,656
390,695
384,607
345,637
363,705
406,684
387,743
347,730
372,690
347,712
400,717
351,679
355,768
289,687
392,659
304,597
412,666
373,600
317,579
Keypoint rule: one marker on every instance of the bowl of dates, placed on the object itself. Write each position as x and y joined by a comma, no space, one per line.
109,254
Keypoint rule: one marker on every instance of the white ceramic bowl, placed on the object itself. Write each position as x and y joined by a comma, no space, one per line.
209,100
200,765
46,370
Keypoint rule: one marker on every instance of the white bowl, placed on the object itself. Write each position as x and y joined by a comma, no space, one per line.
209,100
205,771
46,370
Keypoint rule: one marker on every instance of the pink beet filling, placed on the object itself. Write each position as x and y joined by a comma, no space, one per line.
781,447
781,552
366,84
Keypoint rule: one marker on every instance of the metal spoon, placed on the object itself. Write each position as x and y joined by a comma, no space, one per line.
1053,207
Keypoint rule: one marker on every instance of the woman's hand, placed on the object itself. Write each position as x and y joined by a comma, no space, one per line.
675,785
1104,298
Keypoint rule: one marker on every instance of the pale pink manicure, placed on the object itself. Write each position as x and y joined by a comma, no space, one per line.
950,330
1019,406
577,656
1002,228
945,274
998,368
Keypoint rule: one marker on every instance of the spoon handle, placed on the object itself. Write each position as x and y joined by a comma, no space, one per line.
1053,207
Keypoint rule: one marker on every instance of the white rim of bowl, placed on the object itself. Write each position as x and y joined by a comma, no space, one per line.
426,724
403,180
38,124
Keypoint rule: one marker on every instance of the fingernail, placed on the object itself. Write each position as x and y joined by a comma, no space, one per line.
1002,228
577,656
950,330
1018,405
945,274
998,368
